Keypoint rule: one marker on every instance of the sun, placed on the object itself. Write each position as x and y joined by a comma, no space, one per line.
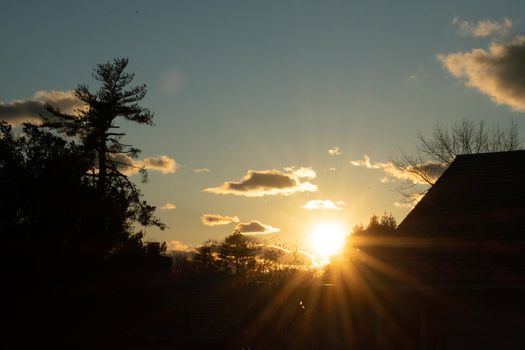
327,239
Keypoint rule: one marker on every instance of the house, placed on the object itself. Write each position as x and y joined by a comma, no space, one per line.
457,260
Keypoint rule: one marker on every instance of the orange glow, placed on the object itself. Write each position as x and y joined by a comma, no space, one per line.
327,239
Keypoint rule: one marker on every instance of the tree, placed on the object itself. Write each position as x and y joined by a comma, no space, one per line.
94,124
66,196
206,257
44,197
435,153
238,254
377,226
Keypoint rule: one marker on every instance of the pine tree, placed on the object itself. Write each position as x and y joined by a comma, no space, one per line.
118,203
94,125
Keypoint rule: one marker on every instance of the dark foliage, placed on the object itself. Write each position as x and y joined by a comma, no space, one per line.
59,212
383,225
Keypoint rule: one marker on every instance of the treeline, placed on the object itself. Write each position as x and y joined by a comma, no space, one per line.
244,256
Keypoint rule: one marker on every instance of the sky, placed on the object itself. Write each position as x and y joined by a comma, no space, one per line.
273,116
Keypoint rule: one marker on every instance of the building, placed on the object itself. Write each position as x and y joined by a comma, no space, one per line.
457,261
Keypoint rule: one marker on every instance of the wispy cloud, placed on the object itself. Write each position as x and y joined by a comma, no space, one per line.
335,151
257,183
129,166
30,109
255,227
497,72
365,162
315,204
168,206
420,74
216,219
201,170
482,28
392,172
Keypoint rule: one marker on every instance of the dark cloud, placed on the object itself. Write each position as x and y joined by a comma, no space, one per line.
255,227
30,110
269,182
498,72
216,219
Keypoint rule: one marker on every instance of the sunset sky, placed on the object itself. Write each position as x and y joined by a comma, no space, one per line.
273,116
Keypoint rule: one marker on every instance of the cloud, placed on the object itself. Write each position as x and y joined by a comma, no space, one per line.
168,206
404,205
162,164
30,109
255,227
392,172
129,166
201,170
497,72
483,28
365,162
216,219
257,183
322,204
335,151
410,203
178,246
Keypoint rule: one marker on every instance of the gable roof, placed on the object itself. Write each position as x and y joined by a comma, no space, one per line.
479,195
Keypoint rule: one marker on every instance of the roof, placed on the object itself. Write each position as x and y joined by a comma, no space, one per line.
479,195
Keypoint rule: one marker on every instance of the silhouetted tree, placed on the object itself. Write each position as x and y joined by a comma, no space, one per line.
94,123
119,200
383,225
59,209
237,254
44,196
206,257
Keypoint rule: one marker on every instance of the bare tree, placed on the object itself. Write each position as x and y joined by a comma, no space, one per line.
435,153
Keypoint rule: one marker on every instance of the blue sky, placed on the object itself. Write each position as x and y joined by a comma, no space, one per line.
246,85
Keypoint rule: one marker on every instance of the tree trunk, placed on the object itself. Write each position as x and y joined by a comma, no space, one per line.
102,168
